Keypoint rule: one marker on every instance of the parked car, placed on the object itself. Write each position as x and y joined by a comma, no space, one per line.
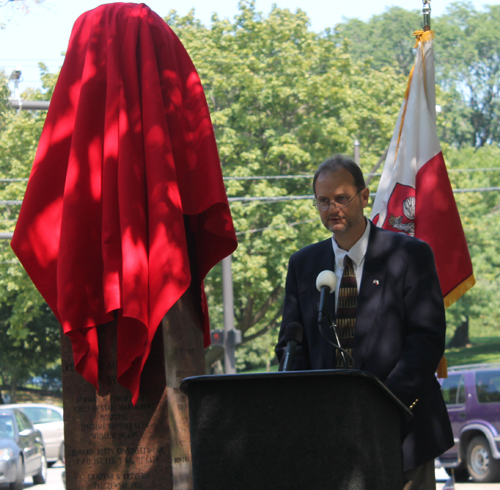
22,452
49,420
472,396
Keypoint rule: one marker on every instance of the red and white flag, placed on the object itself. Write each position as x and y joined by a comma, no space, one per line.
414,195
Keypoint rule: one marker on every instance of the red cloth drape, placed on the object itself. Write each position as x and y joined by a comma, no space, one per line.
127,151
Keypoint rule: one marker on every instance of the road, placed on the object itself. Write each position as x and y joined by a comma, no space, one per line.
54,480
472,486
441,477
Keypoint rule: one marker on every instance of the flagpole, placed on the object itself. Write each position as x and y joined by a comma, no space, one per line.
427,14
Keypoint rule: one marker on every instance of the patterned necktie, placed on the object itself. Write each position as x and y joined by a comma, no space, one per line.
346,310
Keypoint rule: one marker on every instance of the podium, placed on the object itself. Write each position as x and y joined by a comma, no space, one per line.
307,430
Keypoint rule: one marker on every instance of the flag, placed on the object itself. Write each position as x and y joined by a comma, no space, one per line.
414,195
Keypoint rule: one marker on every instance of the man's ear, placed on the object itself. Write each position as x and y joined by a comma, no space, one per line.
365,195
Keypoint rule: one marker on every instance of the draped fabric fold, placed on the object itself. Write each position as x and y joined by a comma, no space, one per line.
126,160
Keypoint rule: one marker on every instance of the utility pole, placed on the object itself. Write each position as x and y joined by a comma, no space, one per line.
357,158
426,11
17,103
231,335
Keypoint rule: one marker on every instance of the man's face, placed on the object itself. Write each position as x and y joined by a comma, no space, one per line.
348,223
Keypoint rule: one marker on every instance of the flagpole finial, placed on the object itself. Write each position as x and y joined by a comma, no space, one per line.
426,10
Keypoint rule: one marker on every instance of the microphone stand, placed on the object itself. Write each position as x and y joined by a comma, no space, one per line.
343,352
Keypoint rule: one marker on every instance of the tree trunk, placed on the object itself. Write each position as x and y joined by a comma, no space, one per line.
13,388
461,336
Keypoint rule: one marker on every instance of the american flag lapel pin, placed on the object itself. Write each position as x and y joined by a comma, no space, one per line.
376,282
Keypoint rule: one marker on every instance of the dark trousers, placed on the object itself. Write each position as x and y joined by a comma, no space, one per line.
422,477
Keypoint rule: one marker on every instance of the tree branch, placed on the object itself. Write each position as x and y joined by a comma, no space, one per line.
262,331
267,304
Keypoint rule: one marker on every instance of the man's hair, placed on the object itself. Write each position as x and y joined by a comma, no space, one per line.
338,162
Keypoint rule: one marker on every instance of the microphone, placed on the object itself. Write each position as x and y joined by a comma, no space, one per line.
293,336
326,282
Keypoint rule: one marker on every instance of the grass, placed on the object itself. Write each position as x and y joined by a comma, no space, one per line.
32,396
35,398
272,369
481,350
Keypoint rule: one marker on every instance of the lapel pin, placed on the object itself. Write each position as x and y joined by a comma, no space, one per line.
376,282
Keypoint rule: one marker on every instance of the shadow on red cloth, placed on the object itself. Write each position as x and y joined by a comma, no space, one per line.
127,151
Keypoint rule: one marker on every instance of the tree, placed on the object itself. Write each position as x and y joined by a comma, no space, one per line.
480,213
385,39
282,99
23,5
468,63
30,331
11,6
22,356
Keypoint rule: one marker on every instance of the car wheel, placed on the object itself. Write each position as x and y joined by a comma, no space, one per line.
61,452
19,483
480,463
41,477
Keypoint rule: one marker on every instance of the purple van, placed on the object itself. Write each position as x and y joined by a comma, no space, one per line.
472,396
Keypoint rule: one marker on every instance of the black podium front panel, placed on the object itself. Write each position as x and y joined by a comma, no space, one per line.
307,430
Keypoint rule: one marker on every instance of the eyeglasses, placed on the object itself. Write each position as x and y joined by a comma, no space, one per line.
340,202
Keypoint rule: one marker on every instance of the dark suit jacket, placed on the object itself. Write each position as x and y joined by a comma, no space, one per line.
400,329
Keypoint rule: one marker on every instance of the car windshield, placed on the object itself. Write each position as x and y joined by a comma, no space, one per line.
6,427
42,415
450,389
488,386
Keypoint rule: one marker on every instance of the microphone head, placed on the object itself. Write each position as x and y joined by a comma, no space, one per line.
328,279
294,331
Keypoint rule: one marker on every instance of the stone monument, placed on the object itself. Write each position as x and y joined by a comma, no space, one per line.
124,214
112,444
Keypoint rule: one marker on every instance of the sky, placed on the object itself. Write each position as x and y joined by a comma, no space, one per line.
43,33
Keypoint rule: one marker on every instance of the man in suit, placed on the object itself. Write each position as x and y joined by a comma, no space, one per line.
399,320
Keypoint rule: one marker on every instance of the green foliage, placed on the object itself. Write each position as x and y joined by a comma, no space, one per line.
5,107
33,351
467,63
468,60
30,331
480,213
484,349
282,99
384,40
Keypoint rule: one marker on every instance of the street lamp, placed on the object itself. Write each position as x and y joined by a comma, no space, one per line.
15,76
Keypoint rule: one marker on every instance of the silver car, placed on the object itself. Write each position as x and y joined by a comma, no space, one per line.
48,419
21,450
